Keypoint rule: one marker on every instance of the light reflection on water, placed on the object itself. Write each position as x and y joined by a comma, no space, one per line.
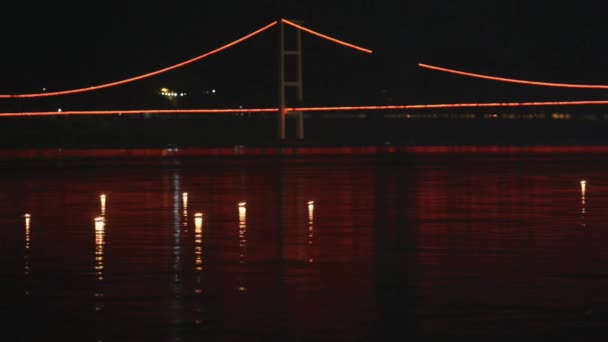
198,268
583,204
27,254
102,203
26,246
311,221
348,247
198,241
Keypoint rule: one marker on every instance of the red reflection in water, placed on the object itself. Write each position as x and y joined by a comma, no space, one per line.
500,235
244,265
355,246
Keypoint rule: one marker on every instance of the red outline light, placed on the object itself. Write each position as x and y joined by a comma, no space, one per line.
455,105
178,65
143,111
331,39
310,109
150,74
513,80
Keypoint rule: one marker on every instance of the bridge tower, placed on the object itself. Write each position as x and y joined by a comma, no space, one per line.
284,84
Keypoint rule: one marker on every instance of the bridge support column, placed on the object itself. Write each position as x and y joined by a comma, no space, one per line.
282,112
283,84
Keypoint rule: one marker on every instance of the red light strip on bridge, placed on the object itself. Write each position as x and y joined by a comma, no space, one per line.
143,111
331,39
512,80
140,77
311,109
452,105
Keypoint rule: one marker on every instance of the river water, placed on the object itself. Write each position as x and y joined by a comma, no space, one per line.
345,246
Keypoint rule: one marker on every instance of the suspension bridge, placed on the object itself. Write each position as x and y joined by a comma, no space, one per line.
283,108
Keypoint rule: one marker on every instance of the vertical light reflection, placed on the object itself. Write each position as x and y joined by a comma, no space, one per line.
583,190
26,246
100,236
242,230
198,264
102,202
100,241
242,236
311,217
28,218
185,207
583,202
198,241
176,188
177,285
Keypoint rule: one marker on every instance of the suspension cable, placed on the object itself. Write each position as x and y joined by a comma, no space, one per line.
513,80
331,39
140,77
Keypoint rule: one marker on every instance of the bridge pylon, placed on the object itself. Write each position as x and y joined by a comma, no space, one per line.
284,84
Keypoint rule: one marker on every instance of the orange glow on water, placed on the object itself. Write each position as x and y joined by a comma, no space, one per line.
513,80
185,204
198,221
27,230
100,226
26,266
583,202
102,201
140,77
242,230
311,209
198,241
583,191
311,221
583,187
331,39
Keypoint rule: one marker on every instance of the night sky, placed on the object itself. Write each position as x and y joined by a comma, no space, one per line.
61,46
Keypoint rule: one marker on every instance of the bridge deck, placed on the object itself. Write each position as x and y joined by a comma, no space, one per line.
159,131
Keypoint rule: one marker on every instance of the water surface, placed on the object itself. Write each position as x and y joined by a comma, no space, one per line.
310,247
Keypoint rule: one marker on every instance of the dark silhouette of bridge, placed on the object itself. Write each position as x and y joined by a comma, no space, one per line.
296,109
